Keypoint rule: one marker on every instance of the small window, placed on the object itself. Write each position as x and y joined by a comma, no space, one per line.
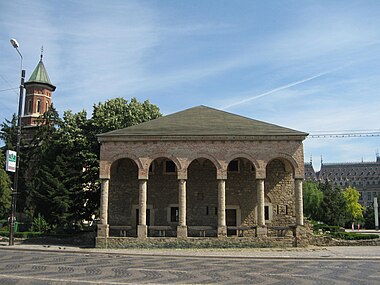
38,106
233,166
47,106
29,106
266,212
170,166
174,214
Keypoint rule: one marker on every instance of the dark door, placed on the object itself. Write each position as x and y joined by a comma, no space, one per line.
231,221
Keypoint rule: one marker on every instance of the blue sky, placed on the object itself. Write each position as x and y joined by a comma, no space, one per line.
307,65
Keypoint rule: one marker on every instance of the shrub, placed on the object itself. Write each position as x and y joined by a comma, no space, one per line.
353,236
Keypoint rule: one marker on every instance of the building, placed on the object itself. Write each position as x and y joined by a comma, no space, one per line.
197,172
38,100
364,176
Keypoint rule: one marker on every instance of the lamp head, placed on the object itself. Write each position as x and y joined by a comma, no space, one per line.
14,43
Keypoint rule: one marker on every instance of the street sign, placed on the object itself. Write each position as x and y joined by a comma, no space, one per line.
11,158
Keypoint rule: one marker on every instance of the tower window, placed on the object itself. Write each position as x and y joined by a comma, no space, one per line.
29,106
47,106
38,106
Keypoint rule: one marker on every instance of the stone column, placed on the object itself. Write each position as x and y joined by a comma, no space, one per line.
260,202
182,228
142,230
222,227
103,227
299,201
261,228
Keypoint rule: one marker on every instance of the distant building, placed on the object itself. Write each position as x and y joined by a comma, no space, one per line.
364,176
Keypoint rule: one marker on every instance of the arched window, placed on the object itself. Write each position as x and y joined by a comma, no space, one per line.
29,106
38,106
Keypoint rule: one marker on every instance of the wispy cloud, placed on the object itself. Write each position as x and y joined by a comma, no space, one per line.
278,89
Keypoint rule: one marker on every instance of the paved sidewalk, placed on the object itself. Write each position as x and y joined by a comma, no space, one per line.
335,252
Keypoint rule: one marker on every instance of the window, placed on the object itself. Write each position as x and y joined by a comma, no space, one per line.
233,166
369,196
29,106
47,106
169,167
174,214
266,212
360,196
38,106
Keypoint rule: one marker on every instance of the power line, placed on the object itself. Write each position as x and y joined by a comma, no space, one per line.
342,134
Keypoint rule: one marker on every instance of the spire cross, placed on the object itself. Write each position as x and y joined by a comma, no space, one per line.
42,51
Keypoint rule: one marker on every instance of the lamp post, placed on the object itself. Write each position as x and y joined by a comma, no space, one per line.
15,180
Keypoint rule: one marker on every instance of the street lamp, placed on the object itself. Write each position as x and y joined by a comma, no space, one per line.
15,180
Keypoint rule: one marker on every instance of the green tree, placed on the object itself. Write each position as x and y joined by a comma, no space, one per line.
64,157
333,206
312,199
369,217
5,190
354,209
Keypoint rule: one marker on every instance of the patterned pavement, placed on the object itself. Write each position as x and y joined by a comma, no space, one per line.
36,267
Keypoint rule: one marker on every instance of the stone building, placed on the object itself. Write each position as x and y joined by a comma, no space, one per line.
364,176
197,172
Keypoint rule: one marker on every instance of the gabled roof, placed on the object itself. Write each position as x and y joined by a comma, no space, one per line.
203,121
40,76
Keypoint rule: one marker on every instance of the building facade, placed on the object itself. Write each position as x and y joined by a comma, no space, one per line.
197,172
364,176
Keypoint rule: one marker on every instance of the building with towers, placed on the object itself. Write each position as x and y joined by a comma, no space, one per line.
364,176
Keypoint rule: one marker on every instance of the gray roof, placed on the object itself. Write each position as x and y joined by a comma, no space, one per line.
203,121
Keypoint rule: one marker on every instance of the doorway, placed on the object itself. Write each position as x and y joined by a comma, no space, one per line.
231,220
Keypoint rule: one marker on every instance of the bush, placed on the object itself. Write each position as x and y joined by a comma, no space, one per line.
22,234
353,236
325,228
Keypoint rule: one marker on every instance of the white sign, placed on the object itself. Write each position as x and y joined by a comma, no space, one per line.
11,159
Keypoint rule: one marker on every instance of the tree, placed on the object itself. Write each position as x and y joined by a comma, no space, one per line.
369,217
354,209
312,199
63,184
5,190
333,206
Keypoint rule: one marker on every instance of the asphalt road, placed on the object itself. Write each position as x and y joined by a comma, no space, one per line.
38,267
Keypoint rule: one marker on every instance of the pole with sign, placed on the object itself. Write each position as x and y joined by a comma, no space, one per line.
11,160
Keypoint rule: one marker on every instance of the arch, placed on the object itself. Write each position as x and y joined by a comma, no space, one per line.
127,156
216,163
255,163
288,161
176,161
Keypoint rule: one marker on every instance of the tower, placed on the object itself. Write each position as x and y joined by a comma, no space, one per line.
38,99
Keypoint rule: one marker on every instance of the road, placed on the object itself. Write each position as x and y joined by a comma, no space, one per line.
38,267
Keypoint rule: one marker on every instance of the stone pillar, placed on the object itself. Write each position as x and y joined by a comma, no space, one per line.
299,201
142,229
103,227
260,202
182,228
222,227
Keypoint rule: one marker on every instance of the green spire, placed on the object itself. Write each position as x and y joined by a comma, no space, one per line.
40,75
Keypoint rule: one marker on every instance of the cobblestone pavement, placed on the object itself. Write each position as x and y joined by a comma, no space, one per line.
67,266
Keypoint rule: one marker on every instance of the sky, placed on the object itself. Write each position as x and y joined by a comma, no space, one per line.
312,66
